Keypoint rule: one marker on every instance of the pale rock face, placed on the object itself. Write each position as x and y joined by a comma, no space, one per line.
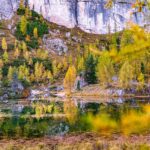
7,8
57,11
90,15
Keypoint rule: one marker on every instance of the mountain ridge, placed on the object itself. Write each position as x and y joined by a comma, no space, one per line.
90,16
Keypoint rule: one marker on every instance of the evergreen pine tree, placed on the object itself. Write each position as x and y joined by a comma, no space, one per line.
90,70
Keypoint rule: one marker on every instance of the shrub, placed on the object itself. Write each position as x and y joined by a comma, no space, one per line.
47,63
25,83
32,23
35,14
5,82
19,62
18,33
41,27
5,70
33,43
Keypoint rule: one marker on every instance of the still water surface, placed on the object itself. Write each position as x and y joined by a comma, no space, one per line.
25,118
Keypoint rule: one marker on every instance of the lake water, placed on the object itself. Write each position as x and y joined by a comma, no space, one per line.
56,116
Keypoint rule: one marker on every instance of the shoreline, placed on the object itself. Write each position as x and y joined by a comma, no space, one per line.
91,141
109,96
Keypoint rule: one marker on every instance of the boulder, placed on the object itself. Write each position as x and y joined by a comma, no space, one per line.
57,45
68,35
76,39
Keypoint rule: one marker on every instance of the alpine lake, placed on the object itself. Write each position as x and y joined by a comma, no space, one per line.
60,116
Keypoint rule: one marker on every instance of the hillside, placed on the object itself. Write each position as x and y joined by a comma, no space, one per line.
40,52
74,76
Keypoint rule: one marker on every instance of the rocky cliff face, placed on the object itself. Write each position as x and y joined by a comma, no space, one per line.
7,8
89,15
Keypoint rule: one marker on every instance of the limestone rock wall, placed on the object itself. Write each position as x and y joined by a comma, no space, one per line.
90,15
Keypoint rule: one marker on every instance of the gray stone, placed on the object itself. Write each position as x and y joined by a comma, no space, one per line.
9,27
2,33
7,8
18,108
16,87
60,88
5,96
76,39
116,92
56,31
68,34
57,45
80,82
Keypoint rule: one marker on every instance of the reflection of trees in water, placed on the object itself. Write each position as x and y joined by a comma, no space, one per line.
71,110
20,127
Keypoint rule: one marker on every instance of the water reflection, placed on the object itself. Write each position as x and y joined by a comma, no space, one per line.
71,110
24,118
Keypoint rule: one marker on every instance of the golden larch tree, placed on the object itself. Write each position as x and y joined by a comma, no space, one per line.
70,79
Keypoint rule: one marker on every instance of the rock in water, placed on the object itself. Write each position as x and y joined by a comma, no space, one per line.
90,15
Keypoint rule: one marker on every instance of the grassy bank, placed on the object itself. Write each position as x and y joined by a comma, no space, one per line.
78,142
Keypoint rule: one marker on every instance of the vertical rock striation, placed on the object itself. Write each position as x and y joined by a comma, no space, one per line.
90,15
7,8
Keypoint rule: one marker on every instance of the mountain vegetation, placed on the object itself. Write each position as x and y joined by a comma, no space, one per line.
124,56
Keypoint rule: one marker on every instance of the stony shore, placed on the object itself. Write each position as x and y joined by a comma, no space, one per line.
86,141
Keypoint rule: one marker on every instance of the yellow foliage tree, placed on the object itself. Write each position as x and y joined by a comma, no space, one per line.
24,46
35,33
126,75
26,55
81,64
38,71
5,57
55,69
4,44
21,6
1,63
23,25
17,53
49,76
10,73
141,81
105,70
28,38
23,73
70,79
